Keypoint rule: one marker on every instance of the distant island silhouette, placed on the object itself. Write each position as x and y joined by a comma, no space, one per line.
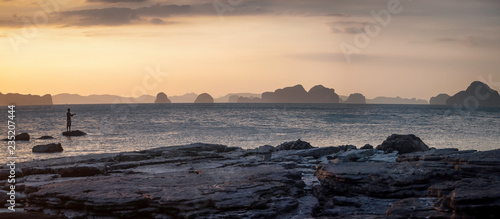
162,98
439,99
356,98
297,94
21,99
478,92
204,98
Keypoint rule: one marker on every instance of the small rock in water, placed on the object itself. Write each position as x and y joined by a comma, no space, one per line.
48,148
74,133
21,137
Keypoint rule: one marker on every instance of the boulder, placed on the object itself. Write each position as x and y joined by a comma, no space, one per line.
162,98
74,133
403,143
204,98
21,137
367,146
48,148
356,98
294,145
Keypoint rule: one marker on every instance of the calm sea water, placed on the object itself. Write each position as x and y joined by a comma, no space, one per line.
130,127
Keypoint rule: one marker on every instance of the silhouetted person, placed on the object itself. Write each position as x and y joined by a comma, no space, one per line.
68,120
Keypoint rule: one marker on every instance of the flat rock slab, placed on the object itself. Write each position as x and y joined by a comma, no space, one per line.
263,191
74,133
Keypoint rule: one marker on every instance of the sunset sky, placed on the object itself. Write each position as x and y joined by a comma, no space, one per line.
88,47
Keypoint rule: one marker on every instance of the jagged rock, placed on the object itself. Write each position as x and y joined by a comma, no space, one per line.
416,208
473,197
216,181
162,98
74,133
294,145
367,146
46,137
347,147
403,144
361,155
204,98
48,148
439,99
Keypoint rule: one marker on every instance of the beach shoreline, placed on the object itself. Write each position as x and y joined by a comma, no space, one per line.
293,180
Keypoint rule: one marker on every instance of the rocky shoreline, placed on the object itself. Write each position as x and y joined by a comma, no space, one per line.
292,180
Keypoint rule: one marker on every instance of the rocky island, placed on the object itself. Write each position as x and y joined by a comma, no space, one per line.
401,178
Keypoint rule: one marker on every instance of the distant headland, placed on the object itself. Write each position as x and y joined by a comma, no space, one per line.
477,94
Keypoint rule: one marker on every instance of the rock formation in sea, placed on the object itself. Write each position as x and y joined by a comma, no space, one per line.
356,98
395,100
321,94
292,180
204,98
74,133
48,148
439,99
477,94
162,98
297,94
22,99
249,100
233,98
66,98
21,137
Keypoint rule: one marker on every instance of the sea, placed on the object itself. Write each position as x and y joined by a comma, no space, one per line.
113,128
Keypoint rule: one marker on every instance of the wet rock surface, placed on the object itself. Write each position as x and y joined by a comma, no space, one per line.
216,181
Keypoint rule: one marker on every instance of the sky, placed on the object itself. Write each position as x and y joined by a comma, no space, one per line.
407,48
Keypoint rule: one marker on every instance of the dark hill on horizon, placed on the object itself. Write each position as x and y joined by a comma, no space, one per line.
297,94
25,99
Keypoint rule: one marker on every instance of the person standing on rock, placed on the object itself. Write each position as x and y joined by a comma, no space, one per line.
68,120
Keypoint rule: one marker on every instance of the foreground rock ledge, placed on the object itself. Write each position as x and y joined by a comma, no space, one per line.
216,181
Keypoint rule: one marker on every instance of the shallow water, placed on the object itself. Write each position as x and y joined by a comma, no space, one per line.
129,127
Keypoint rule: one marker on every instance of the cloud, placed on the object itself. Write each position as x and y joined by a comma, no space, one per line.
116,1
105,16
473,41
349,27
332,57
157,21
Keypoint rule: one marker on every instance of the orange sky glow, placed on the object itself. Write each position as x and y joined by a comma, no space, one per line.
219,47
